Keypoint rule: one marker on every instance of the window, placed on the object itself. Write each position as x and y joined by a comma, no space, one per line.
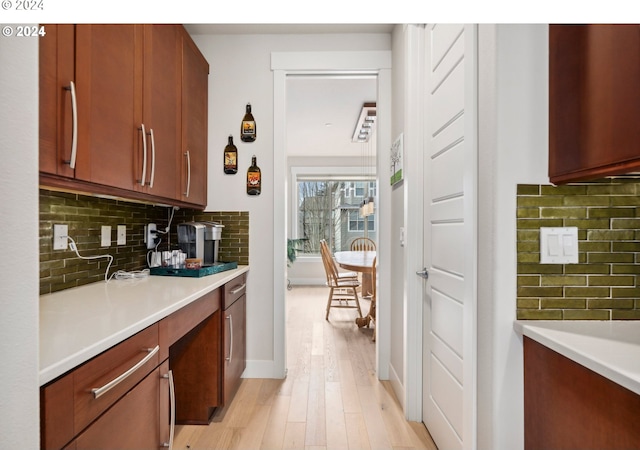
328,208
356,222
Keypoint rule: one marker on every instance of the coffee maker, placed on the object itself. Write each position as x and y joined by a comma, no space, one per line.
200,240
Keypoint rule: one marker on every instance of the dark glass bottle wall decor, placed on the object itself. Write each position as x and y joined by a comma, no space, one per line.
248,127
230,157
254,178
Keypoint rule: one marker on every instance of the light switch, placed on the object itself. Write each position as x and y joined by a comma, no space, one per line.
558,245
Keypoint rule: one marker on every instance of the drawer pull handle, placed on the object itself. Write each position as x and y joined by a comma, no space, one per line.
228,358
172,395
98,392
238,289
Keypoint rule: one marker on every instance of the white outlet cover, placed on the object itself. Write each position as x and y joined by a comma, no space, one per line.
105,240
122,234
60,233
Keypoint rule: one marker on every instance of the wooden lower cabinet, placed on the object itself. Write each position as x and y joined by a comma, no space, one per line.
234,339
132,423
183,349
567,406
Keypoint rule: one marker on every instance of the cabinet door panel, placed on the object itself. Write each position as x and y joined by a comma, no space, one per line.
109,80
195,72
594,101
132,423
234,347
161,100
57,71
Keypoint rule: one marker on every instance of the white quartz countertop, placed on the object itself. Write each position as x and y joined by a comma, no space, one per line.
79,323
609,348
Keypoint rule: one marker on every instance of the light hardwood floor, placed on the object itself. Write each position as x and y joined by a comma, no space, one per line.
330,399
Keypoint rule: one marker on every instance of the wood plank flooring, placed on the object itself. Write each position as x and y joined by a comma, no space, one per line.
331,398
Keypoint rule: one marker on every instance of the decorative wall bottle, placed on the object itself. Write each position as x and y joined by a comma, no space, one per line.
254,178
230,157
248,127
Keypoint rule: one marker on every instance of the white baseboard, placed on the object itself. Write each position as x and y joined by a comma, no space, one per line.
262,369
307,281
397,385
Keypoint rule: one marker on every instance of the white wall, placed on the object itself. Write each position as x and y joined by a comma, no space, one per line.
240,72
397,319
513,124
19,404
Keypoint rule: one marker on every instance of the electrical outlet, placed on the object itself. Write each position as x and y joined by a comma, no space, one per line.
105,240
60,233
150,235
122,234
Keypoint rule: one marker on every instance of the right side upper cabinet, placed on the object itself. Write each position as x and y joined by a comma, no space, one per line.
594,101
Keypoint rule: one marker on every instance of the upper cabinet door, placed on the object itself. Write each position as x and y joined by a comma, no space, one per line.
195,74
109,83
161,107
594,101
57,79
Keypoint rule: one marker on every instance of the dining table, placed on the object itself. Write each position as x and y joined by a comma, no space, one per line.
363,262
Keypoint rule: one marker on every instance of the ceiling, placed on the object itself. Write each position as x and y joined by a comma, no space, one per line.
322,111
288,28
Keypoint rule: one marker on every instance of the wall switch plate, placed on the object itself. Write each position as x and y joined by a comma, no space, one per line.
558,245
105,240
60,233
122,234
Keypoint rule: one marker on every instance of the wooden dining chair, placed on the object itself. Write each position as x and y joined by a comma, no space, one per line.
363,244
341,291
324,250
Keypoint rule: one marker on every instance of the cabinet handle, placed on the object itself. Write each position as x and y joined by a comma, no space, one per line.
153,158
188,173
144,155
74,130
238,289
230,340
99,392
172,396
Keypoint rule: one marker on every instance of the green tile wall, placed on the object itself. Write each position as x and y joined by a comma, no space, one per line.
604,283
62,269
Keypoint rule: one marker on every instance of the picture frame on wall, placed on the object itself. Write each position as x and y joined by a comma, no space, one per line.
397,160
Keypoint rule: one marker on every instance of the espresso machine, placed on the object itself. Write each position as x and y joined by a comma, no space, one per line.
200,240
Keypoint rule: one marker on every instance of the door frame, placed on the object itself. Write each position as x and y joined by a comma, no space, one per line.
368,62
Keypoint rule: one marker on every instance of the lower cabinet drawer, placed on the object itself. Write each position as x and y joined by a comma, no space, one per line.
69,404
129,361
132,423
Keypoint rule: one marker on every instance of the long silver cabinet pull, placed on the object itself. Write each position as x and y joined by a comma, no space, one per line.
231,336
238,289
172,395
153,158
74,131
144,155
99,392
188,173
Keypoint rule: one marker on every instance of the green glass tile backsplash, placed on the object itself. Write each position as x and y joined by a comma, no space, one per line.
603,285
85,215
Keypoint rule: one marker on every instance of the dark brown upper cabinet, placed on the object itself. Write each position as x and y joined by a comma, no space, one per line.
594,101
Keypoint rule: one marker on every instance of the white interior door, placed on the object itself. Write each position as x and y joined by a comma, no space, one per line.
449,294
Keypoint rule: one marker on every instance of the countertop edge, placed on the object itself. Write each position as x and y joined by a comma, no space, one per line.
53,371
582,355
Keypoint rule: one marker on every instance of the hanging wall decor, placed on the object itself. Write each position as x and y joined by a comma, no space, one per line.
254,178
248,127
230,157
396,160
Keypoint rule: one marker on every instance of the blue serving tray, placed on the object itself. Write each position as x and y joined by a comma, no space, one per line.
173,271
